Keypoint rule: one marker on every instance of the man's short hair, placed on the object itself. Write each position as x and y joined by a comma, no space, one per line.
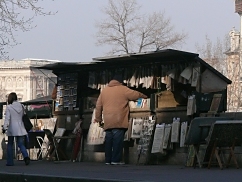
119,77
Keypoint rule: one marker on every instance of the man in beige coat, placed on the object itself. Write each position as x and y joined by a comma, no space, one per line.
113,105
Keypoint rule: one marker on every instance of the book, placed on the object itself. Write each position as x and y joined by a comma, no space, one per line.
139,103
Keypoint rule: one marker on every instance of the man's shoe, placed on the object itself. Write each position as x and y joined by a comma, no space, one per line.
27,160
117,163
107,163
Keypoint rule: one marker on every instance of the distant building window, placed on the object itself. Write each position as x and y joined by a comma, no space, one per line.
39,84
20,82
9,82
20,97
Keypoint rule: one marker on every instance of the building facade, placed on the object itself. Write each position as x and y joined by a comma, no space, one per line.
27,82
234,72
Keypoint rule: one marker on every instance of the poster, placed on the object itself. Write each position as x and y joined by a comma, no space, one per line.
157,145
183,133
136,127
175,130
167,136
146,135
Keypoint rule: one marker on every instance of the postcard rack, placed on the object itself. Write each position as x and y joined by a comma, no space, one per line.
66,99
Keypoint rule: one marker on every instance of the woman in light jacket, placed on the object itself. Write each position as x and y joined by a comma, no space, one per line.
14,127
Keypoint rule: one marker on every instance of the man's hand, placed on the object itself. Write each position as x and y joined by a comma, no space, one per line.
3,130
96,121
101,124
145,97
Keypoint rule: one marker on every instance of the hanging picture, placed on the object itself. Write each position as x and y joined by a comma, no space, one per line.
183,133
167,136
157,145
175,130
136,127
144,145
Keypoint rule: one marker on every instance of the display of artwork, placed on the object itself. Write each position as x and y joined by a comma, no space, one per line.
146,133
183,134
175,130
66,92
144,144
136,127
167,136
158,141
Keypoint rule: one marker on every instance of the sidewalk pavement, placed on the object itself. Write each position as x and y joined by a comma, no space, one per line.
66,171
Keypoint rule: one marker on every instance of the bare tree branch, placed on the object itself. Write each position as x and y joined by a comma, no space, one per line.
156,32
226,61
119,25
12,20
126,31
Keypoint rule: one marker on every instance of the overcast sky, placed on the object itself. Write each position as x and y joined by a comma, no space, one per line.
70,34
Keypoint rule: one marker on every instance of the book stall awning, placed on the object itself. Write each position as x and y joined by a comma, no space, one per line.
41,100
39,108
147,68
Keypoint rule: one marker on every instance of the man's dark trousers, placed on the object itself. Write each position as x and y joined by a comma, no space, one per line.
114,145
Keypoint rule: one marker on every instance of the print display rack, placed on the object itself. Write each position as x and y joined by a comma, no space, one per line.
145,141
66,99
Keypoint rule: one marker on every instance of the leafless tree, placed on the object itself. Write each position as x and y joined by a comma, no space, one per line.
12,19
214,54
127,31
226,61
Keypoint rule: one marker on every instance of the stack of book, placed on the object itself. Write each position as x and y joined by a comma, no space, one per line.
140,103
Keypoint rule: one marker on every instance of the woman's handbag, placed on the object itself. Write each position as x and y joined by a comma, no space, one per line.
27,123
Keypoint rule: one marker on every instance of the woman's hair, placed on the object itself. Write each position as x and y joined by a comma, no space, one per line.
12,97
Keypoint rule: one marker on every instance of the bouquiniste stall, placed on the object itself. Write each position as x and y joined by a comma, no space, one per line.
179,86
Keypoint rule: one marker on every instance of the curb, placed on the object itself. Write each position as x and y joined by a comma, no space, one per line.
21,177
